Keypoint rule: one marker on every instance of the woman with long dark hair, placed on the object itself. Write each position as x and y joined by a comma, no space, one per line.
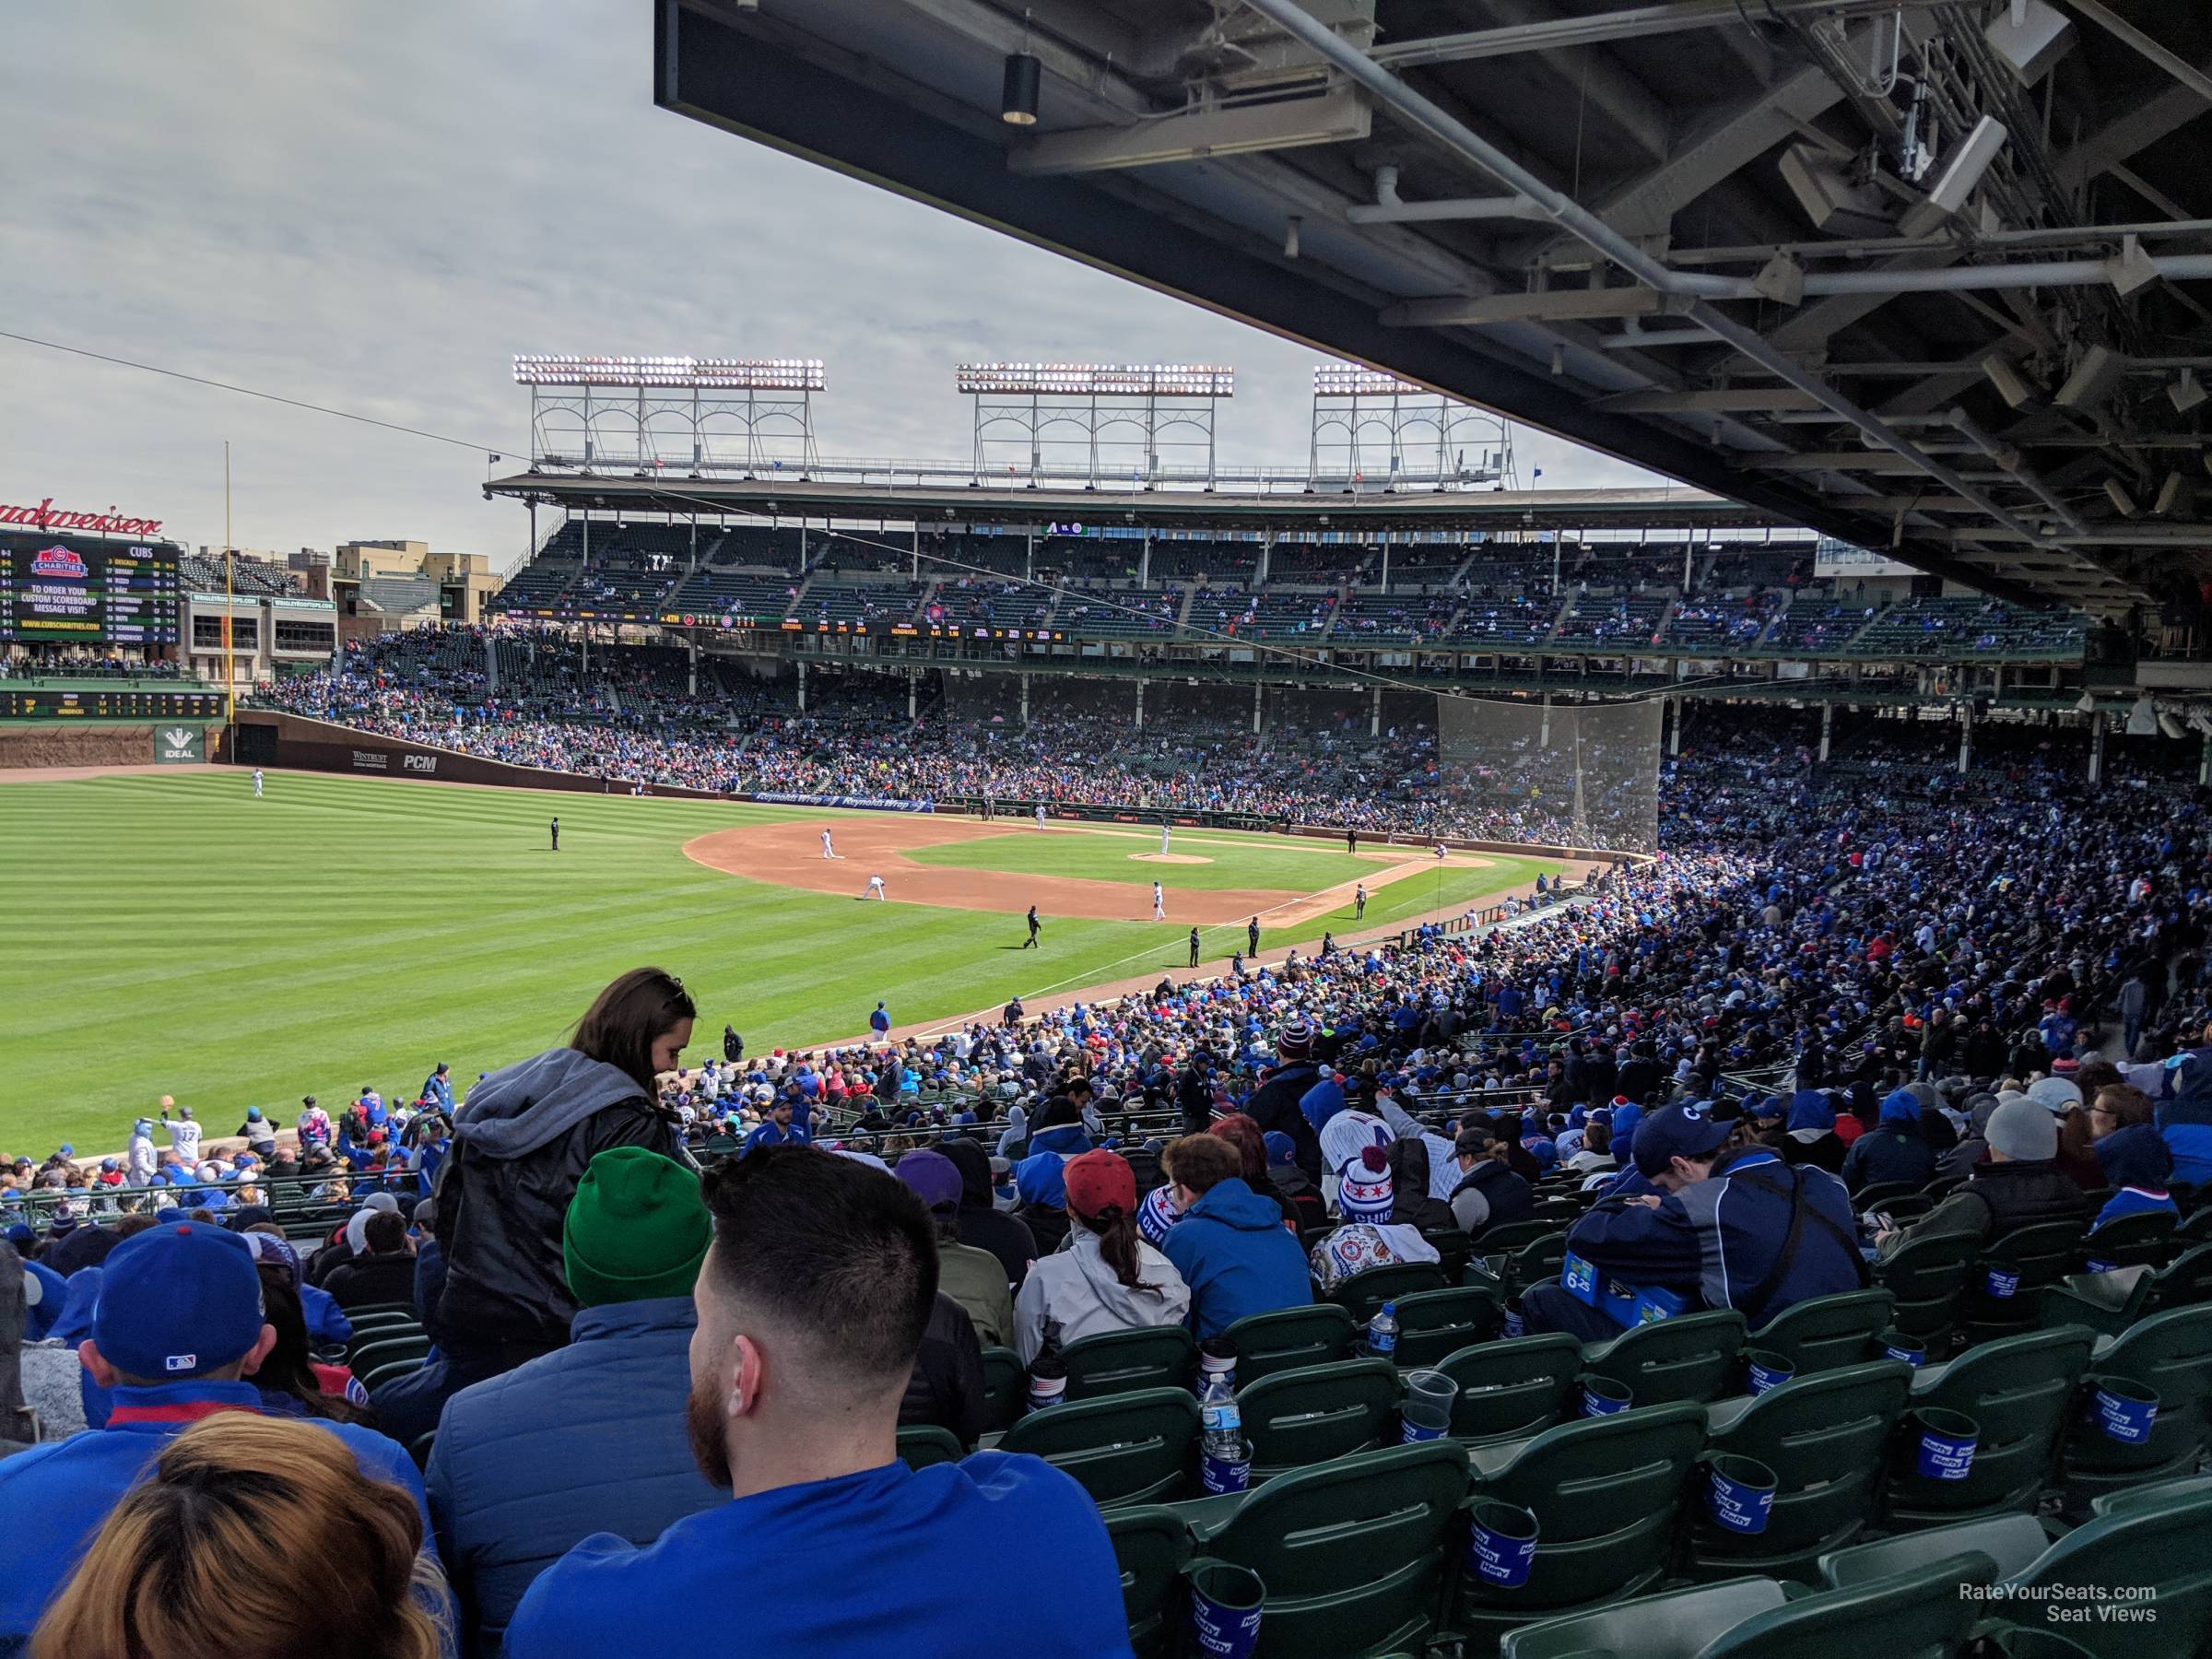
1105,1277
291,1383
520,1145
1242,1133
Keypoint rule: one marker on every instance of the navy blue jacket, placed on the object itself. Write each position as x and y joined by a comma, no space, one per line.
1238,1258
588,1439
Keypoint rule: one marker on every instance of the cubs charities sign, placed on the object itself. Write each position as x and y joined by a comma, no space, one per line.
46,517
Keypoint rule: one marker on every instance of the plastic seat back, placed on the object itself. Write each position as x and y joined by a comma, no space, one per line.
1827,1331
1288,1338
1690,1357
1927,1276
2154,1553
1351,1551
1608,1494
2141,1239
1923,1611
1675,1624
1004,1384
1824,1436
1121,1448
2170,1353
1537,1261
2184,1281
2010,1542
922,1444
1159,1357
1454,1250
1878,1194
1362,1293
1297,1417
1511,1390
2036,1258
1151,1546
2019,1391
1432,1323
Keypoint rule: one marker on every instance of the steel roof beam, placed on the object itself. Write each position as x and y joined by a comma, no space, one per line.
1640,22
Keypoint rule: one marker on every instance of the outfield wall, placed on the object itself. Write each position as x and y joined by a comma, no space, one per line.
266,738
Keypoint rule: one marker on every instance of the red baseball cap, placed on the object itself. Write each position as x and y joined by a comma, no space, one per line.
1101,1181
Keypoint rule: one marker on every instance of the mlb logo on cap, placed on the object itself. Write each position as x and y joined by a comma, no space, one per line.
177,1300
181,1362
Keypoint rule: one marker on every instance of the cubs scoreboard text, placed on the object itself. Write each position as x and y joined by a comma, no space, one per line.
124,596
93,702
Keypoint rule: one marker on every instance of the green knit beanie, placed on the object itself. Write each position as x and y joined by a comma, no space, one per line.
637,1228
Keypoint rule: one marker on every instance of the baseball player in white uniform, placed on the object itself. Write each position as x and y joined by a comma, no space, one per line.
876,890
1160,904
1040,815
1163,838
258,783
827,850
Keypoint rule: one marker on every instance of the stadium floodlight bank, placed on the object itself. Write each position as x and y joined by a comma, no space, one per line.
1101,379
1374,432
693,414
1099,423
731,374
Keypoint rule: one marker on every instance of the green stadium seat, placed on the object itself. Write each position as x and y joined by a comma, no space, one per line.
1824,1436
2012,1544
1151,1546
2157,1491
2019,1391
2142,1239
1288,1338
1690,1357
1295,1419
1132,1447
1513,1389
2039,1256
1454,1250
2172,1354
1921,1612
1927,1276
1161,1357
1675,1624
1608,1494
2106,1303
1432,1323
1362,1293
384,1349
1827,1331
2184,1281
387,1370
922,1444
1005,1387
1352,1551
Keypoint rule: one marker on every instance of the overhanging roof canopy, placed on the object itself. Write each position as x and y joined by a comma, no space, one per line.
1940,284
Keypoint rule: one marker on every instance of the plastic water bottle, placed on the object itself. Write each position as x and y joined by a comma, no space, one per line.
1383,1331
1221,1443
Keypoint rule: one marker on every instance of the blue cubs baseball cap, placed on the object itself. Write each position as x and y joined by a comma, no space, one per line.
177,1301
1676,1131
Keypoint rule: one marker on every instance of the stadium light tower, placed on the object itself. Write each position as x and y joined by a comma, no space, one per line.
1375,431
1104,411
644,414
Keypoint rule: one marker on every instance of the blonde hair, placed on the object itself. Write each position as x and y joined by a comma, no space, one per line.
163,1575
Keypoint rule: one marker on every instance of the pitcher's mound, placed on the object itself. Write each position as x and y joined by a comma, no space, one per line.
1168,858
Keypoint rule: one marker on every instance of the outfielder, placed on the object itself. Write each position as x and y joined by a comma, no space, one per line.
257,796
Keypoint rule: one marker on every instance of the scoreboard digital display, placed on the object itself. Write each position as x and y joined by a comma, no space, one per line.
93,595
96,702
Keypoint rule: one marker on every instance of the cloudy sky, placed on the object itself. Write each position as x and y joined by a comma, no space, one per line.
376,207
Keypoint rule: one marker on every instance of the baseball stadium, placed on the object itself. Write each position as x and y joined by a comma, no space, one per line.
1299,1057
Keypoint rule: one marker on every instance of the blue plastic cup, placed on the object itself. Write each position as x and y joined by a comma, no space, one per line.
1501,1544
1217,1475
1763,1369
1943,1442
1739,1494
1602,1396
2001,1282
2125,1410
1226,1603
1514,1324
1896,1345
1425,1413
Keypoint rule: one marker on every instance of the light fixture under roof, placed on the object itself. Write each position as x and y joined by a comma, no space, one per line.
1017,93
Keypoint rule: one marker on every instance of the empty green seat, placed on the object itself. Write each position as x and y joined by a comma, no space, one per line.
1927,1276
1924,1611
1362,1293
1509,1236
2170,1354
1536,1261
1005,1387
1675,1624
1297,1418
922,1444
2019,1391
1150,1546
2157,1491
382,1350
1352,1551
2012,1543
1690,1357
1827,1331
2105,1303
1608,1494
1121,1448
1161,1357
1288,1338
2141,1239
2184,1281
2037,1257
1513,1389
1825,1437
1453,1251
1432,1323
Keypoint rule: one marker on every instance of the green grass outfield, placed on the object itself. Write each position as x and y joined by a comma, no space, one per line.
170,934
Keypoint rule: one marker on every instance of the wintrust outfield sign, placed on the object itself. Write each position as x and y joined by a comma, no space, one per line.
46,517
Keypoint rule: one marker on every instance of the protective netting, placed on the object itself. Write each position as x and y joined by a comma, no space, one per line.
1566,774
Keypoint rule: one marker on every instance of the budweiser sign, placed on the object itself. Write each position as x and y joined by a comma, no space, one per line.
44,517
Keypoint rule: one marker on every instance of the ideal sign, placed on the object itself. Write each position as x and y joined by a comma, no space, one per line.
179,746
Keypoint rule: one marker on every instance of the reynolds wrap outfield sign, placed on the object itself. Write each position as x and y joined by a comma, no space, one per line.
865,803
179,745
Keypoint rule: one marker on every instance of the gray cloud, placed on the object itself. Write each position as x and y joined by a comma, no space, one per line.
374,207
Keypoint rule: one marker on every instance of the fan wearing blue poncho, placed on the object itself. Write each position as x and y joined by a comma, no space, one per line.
1894,1150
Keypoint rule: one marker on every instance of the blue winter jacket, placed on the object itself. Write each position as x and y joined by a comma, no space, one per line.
1038,1177
53,1497
588,1439
1235,1255
326,1323
2185,1119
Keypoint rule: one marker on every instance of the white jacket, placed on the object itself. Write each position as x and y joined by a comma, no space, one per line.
1072,1294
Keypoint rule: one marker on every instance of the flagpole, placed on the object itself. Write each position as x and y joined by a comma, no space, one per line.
230,674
